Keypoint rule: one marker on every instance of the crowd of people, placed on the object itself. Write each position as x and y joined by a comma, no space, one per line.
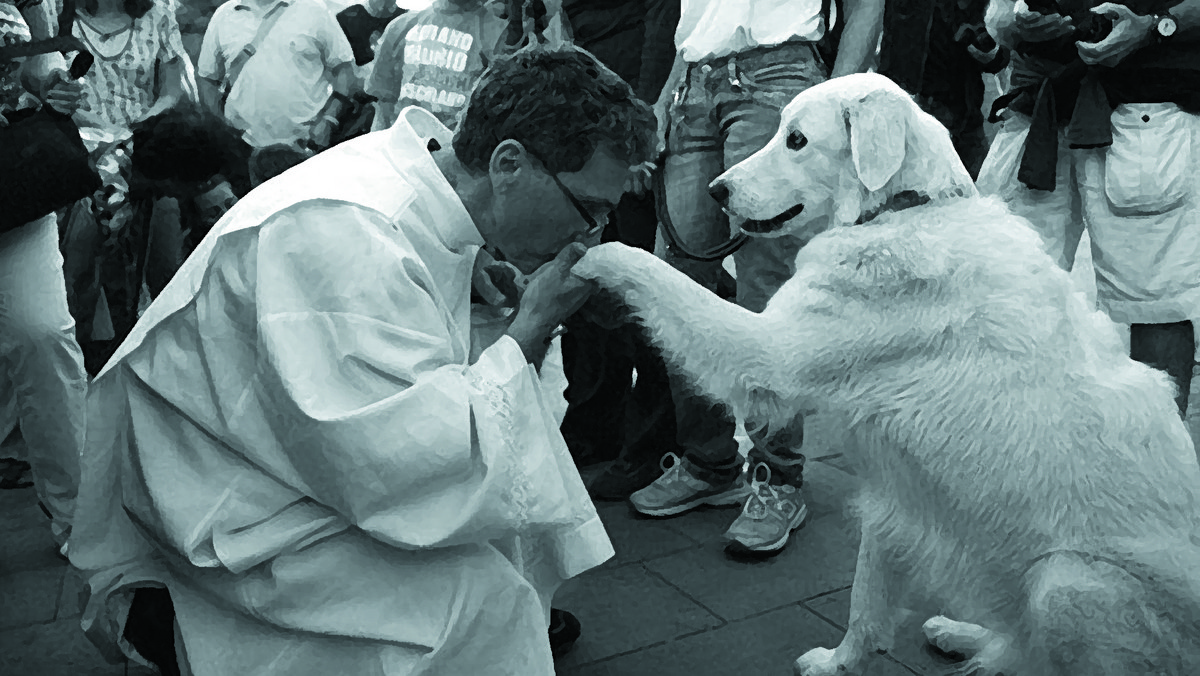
290,372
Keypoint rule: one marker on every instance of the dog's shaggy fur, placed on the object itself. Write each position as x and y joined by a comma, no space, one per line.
1025,483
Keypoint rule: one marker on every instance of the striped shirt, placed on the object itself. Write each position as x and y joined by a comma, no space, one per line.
121,86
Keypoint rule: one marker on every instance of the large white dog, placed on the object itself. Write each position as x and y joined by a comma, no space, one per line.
1025,484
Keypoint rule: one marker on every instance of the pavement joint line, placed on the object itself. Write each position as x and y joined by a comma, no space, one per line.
827,593
686,595
820,616
826,458
609,658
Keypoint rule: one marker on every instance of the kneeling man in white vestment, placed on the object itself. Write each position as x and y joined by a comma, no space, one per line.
305,442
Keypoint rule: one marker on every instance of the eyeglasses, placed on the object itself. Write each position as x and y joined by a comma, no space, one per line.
595,227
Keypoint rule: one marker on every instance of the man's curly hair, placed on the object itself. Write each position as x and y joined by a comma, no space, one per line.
561,104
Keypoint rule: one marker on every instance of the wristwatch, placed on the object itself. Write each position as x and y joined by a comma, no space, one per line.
1165,26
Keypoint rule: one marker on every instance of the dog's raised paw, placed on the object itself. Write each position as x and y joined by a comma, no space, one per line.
819,662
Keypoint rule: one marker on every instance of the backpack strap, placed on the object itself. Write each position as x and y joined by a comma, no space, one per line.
239,61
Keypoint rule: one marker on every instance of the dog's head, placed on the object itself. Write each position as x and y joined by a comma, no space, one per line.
843,149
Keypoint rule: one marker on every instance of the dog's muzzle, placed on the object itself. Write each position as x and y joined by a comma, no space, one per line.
773,224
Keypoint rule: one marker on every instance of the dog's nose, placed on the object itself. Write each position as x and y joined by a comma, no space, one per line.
719,192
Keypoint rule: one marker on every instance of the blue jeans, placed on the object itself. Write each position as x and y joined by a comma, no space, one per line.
716,123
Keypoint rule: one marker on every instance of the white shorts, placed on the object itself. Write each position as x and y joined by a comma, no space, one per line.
1140,199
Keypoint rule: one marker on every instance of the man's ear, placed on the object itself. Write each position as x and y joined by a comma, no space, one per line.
878,124
508,160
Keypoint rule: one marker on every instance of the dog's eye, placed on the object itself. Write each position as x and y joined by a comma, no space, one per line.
796,141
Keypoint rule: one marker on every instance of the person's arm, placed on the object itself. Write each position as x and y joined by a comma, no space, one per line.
41,72
170,84
1187,18
376,404
210,68
172,70
658,48
863,24
386,76
338,57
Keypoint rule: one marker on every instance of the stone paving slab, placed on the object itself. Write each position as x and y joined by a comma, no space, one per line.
52,649
625,609
819,558
29,597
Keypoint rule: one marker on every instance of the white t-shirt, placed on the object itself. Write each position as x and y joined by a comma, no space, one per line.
285,84
710,29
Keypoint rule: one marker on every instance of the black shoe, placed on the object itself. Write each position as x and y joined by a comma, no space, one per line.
14,474
150,628
564,632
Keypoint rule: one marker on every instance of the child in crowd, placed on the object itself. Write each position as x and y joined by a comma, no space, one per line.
432,58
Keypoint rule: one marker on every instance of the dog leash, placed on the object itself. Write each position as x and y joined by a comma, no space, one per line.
664,216
672,235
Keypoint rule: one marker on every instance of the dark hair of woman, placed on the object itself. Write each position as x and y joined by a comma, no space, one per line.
134,8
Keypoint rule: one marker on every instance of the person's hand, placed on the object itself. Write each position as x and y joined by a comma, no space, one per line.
641,178
61,93
1130,33
1034,27
551,295
662,113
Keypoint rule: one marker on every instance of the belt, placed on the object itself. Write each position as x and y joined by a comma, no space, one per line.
709,65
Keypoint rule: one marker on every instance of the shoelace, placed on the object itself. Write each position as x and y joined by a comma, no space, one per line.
762,494
662,464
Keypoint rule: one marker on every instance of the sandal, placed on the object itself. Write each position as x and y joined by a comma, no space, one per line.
14,474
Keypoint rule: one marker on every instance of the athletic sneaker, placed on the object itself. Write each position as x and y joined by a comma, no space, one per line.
679,489
770,515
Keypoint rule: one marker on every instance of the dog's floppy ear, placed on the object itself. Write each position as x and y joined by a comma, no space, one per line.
878,125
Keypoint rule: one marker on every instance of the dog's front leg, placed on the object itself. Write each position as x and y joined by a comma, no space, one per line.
873,616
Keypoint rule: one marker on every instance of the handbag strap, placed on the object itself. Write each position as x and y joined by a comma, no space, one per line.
239,61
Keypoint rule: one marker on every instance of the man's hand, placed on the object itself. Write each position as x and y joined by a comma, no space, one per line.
1130,33
552,295
60,93
1034,27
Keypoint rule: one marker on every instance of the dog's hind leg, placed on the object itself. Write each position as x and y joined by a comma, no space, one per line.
873,616
1089,617
987,653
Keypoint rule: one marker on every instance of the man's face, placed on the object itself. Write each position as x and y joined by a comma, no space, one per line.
538,216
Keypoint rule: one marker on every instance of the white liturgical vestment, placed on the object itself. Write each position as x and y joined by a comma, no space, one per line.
296,442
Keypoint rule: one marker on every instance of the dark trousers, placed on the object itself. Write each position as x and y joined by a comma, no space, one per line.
608,413
1170,348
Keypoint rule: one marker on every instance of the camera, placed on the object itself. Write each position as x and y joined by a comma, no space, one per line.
1089,26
